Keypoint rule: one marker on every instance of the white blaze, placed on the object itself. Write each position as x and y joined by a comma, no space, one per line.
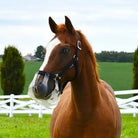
49,48
54,98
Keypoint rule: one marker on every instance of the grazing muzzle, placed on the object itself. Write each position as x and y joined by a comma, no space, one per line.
44,86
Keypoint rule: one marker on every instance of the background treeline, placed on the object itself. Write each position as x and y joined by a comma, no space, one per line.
114,56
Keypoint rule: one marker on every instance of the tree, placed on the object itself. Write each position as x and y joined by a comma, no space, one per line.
39,53
12,75
114,56
135,70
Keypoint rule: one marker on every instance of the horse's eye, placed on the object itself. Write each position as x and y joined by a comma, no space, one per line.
64,51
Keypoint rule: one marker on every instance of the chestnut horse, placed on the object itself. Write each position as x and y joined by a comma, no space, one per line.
87,107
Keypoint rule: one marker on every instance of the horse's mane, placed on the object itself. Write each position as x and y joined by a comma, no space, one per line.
89,52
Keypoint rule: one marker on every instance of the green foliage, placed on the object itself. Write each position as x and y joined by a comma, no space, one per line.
12,67
40,52
135,69
114,56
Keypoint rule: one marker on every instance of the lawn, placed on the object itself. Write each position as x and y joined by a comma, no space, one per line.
118,75
23,126
130,126
30,70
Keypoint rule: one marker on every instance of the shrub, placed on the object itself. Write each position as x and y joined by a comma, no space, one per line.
12,67
135,69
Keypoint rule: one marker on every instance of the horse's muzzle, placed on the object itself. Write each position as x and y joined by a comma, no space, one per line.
44,88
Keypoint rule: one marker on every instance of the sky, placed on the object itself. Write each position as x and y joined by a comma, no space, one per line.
107,24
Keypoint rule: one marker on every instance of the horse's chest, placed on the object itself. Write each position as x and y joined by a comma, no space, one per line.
68,130
67,127
74,130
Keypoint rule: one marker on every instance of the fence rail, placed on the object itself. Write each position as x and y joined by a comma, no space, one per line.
23,104
128,105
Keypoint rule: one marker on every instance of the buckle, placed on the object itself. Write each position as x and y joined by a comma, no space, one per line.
79,45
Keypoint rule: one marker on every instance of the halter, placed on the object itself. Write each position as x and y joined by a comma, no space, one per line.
73,63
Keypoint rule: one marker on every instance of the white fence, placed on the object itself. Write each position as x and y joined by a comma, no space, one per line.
128,105
23,104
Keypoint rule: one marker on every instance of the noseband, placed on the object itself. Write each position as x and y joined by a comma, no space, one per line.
73,63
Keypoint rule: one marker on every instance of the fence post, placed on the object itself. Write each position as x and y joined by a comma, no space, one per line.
11,104
40,111
134,114
30,108
30,113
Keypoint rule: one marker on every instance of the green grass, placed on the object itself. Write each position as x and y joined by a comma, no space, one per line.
118,75
30,70
130,126
23,126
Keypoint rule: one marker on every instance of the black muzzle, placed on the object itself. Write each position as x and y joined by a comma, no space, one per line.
44,87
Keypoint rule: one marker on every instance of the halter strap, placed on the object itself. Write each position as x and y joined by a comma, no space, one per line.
72,63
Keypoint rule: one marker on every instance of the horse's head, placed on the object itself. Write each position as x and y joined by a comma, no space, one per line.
61,61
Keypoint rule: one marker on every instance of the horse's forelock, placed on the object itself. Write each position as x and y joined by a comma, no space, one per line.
61,28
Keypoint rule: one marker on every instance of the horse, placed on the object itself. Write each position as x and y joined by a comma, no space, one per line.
86,106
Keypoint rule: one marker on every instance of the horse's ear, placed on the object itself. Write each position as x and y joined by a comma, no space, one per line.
53,25
69,25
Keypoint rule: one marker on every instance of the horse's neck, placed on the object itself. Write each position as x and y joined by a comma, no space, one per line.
85,93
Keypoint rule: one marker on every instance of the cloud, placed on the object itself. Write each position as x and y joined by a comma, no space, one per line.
107,24
26,38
